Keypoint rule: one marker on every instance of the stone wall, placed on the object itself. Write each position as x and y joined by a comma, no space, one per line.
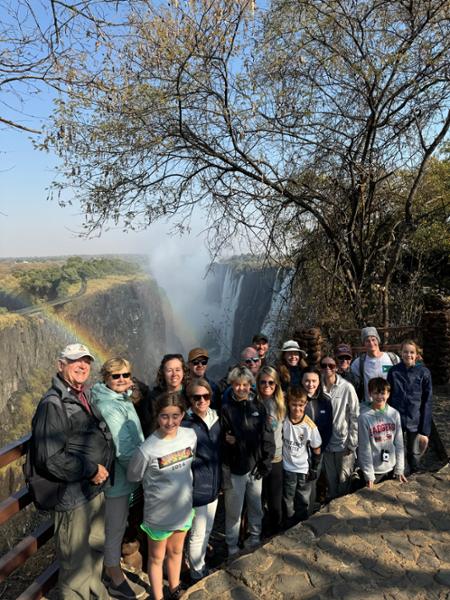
436,337
392,543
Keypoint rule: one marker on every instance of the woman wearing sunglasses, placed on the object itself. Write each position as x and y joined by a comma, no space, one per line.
270,394
113,399
206,469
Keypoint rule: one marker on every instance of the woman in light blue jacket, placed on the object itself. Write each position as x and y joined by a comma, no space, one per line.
113,399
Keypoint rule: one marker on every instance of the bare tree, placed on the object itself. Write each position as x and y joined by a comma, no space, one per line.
38,40
310,115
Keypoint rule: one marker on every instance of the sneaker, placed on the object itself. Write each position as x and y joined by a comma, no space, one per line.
127,590
177,593
252,542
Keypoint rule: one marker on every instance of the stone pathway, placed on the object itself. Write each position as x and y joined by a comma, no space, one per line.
389,543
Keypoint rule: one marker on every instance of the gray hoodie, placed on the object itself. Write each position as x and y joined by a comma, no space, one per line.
345,405
380,432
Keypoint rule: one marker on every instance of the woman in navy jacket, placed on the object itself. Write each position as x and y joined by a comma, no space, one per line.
412,395
206,469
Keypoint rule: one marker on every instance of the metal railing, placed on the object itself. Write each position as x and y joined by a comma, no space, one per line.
28,546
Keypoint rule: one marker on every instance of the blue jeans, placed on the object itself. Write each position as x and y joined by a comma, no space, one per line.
296,496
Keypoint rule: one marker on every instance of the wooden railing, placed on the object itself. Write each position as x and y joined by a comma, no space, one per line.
28,546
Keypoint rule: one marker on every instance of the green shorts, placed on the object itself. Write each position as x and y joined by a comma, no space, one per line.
158,536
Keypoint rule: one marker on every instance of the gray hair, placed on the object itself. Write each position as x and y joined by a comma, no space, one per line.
240,373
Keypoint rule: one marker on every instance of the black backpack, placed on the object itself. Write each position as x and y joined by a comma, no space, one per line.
45,490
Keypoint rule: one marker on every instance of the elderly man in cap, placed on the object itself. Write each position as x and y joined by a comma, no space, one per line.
261,344
373,363
198,364
72,444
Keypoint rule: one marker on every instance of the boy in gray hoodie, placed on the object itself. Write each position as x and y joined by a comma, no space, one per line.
380,438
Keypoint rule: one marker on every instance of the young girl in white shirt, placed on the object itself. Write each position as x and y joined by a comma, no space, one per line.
163,464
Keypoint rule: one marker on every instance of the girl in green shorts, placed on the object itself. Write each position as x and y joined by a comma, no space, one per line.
163,464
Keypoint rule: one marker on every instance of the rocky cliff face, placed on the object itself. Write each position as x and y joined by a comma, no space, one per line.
244,300
126,319
27,343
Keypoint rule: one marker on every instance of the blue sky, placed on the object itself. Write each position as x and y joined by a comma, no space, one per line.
32,225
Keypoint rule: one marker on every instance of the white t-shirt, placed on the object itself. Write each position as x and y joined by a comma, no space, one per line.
373,367
164,466
295,444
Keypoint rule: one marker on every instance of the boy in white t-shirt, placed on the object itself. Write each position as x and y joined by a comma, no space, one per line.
301,457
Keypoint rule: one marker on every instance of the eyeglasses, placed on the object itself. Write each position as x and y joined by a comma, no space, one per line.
249,361
200,361
267,382
119,375
330,366
200,397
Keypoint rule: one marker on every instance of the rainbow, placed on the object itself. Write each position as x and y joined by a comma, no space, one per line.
78,333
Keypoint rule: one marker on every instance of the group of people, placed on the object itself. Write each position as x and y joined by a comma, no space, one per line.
263,435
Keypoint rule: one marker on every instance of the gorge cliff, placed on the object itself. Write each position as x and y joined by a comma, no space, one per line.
127,316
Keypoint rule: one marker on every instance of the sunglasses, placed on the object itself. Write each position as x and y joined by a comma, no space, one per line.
200,361
267,382
119,375
248,361
328,366
200,397
344,358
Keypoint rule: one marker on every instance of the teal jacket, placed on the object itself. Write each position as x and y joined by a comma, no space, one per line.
123,422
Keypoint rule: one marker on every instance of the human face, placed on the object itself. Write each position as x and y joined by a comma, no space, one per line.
198,366
173,374
344,363
328,367
251,359
409,355
292,358
372,345
200,400
262,348
75,372
169,420
119,384
310,382
266,386
296,411
241,389
379,399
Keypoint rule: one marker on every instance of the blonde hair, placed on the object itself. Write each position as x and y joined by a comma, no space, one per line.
278,395
114,364
410,342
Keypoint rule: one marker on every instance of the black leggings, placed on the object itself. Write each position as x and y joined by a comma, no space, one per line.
273,496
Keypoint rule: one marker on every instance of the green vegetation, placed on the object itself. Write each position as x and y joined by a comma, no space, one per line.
51,282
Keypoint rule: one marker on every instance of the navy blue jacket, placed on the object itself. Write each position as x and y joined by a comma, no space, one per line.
207,464
320,410
412,395
246,420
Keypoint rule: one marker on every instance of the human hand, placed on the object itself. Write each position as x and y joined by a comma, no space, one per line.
230,439
313,474
101,476
423,442
370,484
402,479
